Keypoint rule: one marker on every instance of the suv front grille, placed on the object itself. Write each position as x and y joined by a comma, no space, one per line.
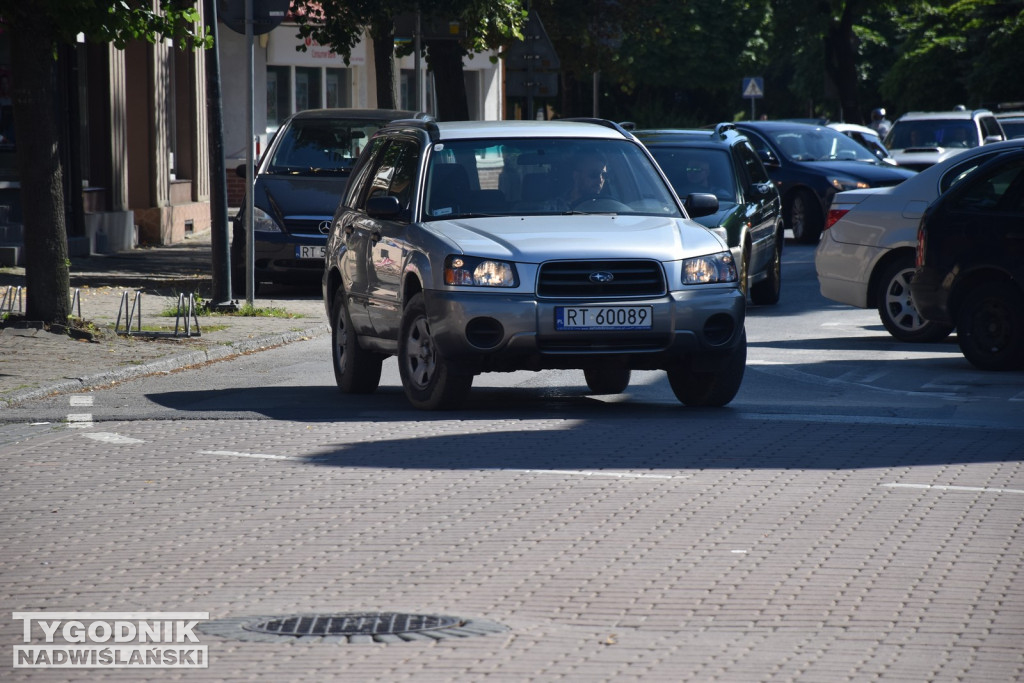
318,226
601,279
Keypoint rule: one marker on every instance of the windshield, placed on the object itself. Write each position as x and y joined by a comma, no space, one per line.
932,133
695,169
316,146
543,176
819,144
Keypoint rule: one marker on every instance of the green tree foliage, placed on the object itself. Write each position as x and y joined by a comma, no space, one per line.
39,31
964,52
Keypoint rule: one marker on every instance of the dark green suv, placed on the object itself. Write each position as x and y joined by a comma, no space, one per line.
723,163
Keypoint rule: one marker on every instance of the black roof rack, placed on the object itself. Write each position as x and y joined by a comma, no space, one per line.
600,122
422,121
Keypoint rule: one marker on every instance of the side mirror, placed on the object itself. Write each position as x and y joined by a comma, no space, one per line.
700,204
385,207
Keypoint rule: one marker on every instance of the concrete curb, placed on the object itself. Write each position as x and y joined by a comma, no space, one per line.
168,364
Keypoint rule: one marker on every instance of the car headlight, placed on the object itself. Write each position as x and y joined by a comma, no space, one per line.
262,222
478,272
843,184
706,270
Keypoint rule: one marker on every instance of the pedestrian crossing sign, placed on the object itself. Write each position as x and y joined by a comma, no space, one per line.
753,87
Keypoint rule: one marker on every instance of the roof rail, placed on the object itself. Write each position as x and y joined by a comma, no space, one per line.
423,122
600,122
721,128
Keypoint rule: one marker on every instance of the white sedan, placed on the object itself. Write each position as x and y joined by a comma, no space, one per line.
866,254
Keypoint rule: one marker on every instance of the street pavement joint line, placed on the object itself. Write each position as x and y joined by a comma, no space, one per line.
588,473
938,487
868,419
265,456
110,437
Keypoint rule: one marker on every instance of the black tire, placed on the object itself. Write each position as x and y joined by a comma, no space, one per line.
990,327
429,380
766,292
610,379
356,370
713,389
896,306
804,217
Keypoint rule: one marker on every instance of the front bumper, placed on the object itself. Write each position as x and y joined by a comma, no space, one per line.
495,332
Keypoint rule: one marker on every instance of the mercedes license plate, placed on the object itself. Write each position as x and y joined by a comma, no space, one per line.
303,251
603,317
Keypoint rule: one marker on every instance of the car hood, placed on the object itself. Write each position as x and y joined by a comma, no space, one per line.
289,196
861,170
534,239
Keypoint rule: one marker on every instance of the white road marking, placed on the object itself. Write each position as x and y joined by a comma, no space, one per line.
79,420
81,400
110,437
937,487
265,456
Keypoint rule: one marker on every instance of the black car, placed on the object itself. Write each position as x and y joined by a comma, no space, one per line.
722,162
970,263
299,181
809,164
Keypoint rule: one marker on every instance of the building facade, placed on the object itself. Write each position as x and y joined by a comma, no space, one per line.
135,148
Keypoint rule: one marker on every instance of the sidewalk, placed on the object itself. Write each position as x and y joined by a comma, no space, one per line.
36,363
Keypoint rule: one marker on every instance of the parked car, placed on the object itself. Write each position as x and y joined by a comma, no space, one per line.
749,207
470,247
299,182
970,263
920,139
1012,123
866,255
868,137
809,164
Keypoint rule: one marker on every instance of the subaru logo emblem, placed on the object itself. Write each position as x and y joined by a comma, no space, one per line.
325,227
601,277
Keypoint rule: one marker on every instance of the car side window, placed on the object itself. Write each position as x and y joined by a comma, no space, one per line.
961,171
357,184
396,173
752,163
999,191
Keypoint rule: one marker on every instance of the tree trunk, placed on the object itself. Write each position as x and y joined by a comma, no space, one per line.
383,35
445,59
841,63
47,277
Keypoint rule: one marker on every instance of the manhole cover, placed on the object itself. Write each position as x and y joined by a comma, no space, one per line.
349,627
369,624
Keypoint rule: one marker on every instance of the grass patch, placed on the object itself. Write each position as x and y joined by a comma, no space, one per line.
247,310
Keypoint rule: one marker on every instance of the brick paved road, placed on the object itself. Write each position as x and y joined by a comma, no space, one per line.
701,548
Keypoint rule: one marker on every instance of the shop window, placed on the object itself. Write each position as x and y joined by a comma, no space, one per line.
339,88
307,88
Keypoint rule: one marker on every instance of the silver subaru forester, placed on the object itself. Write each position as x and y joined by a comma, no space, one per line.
470,247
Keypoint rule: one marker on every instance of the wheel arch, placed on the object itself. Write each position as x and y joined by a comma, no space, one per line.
891,256
966,283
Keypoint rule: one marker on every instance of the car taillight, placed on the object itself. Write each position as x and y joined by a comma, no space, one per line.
833,217
919,257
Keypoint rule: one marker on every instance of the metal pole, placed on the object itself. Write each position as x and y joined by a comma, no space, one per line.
219,231
250,176
418,101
